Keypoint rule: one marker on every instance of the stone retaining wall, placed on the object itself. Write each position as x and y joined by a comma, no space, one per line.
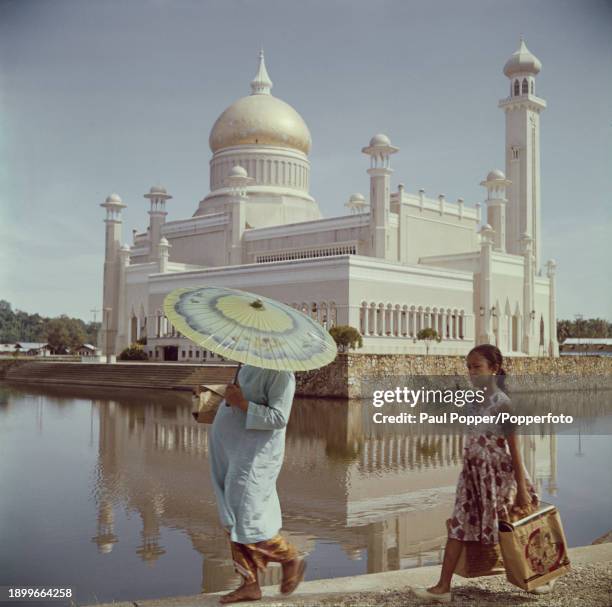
343,377
8,363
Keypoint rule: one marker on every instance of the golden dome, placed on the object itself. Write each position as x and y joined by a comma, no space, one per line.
260,119
263,120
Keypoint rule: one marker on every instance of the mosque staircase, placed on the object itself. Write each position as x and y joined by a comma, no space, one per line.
128,375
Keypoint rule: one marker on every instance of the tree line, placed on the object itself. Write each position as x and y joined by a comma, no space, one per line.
583,327
62,333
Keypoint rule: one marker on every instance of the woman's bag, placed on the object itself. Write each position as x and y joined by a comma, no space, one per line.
207,399
476,559
534,548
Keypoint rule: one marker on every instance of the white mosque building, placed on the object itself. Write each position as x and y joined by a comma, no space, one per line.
395,263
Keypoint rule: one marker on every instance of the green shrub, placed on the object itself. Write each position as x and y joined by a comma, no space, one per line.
428,335
134,352
346,337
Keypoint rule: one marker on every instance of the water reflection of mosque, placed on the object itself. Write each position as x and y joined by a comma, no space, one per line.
378,491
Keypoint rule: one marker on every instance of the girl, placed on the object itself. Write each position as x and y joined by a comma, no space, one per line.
493,482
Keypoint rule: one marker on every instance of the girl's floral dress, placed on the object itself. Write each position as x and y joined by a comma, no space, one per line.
487,487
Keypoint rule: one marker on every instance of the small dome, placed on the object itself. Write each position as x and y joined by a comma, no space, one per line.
380,139
238,171
158,189
357,197
522,61
495,175
114,198
163,241
486,228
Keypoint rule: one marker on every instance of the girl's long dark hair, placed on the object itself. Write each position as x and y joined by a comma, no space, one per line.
494,357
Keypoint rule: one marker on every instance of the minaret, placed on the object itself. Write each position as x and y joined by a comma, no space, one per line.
111,290
157,196
123,325
528,292
496,184
485,333
379,150
237,181
522,109
551,272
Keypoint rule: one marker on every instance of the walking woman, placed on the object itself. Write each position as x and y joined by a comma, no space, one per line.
493,482
246,449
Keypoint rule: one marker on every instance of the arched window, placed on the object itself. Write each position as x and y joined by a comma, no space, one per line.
363,317
380,310
372,318
525,88
531,87
314,311
517,88
333,315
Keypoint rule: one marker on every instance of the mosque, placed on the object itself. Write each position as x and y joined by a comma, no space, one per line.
395,263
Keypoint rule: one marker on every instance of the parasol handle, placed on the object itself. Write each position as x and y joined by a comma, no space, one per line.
235,378
237,371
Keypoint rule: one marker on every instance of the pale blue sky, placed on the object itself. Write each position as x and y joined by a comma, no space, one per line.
98,97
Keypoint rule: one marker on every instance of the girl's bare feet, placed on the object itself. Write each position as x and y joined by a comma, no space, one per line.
293,574
246,592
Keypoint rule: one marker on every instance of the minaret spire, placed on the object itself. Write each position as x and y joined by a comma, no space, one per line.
261,84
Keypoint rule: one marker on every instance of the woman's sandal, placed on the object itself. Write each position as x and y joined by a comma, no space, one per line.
431,597
289,584
546,588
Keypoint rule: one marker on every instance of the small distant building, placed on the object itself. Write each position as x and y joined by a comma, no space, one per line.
32,348
86,350
586,346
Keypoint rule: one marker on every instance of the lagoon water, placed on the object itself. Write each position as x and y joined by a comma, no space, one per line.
107,492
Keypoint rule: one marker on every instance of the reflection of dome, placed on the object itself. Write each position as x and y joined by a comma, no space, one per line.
495,175
522,61
260,119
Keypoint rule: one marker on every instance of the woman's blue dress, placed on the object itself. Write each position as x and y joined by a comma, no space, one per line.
246,454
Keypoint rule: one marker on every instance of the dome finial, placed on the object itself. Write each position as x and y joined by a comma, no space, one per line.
261,84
